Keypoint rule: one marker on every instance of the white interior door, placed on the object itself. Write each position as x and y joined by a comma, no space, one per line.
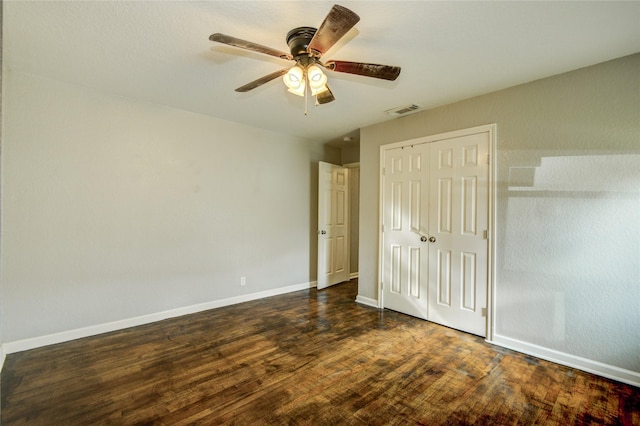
435,220
458,224
405,256
333,224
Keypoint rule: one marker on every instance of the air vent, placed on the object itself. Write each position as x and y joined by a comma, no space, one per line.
403,110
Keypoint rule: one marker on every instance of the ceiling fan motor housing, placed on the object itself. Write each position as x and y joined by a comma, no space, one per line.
298,40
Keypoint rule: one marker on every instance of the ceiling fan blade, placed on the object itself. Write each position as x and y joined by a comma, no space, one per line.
385,72
325,97
243,44
262,80
337,23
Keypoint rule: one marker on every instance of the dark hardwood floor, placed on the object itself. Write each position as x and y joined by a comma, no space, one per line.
304,358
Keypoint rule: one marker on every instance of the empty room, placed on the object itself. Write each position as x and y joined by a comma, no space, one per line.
447,232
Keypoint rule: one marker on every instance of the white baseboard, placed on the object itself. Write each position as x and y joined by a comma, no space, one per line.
65,336
3,355
353,275
367,301
573,361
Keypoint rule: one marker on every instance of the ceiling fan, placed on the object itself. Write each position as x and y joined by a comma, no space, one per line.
307,45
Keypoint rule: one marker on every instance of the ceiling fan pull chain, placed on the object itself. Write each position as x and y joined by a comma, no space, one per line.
306,95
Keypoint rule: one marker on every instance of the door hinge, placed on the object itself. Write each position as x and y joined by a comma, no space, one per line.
384,171
488,158
484,312
485,235
381,228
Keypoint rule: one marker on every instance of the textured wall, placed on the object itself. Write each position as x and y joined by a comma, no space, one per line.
568,207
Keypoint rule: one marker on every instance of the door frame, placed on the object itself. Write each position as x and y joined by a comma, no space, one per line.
347,213
491,232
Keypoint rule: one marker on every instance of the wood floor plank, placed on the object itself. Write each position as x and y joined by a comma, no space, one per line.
304,358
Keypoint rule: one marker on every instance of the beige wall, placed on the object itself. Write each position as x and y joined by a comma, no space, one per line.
354,216
568,209
351,153
116,209
1,44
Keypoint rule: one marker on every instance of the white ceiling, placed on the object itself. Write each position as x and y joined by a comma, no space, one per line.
160,52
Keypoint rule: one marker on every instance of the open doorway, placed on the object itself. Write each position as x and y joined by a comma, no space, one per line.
349,153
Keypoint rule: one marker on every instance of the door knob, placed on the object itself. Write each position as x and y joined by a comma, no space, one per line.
323,232
432,239
423,238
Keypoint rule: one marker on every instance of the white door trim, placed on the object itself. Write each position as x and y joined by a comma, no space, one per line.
492,130
328,230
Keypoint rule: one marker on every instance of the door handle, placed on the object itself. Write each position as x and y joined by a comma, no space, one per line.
323,232
425,238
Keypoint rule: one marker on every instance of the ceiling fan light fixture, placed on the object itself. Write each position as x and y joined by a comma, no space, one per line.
294,79
299,90
317,80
